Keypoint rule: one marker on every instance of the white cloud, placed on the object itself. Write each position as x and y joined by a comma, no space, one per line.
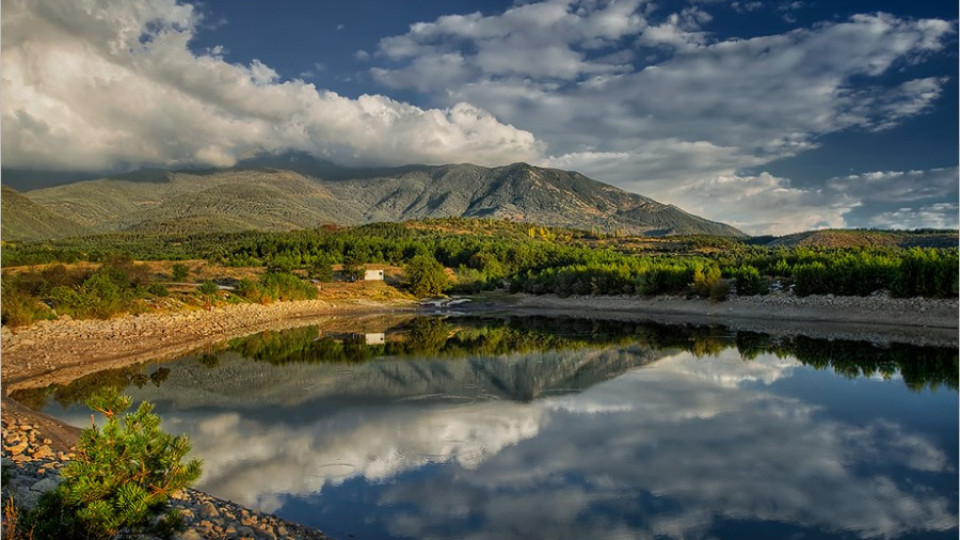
766,204
682,108
897,186
707,449
938,216
97,85
746,7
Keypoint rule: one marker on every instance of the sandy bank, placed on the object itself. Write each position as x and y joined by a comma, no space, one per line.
62,350
879,318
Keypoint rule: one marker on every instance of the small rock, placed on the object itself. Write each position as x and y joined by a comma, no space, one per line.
18,449
208,510
189,534
45,485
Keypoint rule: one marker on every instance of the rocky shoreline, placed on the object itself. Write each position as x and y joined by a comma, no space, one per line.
33,468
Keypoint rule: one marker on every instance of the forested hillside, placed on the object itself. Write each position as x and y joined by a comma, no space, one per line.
481,255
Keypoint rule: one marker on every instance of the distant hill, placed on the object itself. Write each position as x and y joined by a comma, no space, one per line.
293,191
844,238
23,219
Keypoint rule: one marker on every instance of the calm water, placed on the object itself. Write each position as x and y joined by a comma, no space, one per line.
537,428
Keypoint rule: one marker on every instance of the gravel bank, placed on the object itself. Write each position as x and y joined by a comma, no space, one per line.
34,469
878,318
62,350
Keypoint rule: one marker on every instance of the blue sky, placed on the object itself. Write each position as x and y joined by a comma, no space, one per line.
772,116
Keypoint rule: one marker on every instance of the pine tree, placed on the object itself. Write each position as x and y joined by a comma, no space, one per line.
124,473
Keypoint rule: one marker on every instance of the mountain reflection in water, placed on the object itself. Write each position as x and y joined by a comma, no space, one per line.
539,428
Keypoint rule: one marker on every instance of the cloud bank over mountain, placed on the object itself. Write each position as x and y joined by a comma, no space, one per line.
100,85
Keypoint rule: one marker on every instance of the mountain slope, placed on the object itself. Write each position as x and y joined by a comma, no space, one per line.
842,239
295,192
23,219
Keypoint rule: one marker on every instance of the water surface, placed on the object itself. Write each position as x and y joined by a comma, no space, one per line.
540,428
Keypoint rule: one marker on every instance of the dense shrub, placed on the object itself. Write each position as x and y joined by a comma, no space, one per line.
121,479
748,281
208,288
19,308
706,282
248,290
285,286
158,289
425,276
180,272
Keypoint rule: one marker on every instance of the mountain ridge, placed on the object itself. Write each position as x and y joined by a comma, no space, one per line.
290,192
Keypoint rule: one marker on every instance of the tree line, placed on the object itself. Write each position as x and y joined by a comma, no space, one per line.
484,255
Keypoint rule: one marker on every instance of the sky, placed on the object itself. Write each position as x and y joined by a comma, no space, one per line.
774,117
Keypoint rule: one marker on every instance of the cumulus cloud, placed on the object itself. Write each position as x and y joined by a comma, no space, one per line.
766,204
899,186
938,215
99,85
681,108
900,199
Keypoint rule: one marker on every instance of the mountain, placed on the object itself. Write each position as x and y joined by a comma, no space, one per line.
296,191
23,219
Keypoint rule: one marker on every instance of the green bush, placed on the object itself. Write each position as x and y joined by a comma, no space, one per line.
248,290
284,286
719,290
158,289
321,269
749,282
180,272
20,309
425,276
122,476
98,297
706,280
353,266
208,288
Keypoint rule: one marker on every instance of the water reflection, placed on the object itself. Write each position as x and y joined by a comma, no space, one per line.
568,429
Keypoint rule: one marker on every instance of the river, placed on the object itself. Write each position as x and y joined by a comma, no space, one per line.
560,428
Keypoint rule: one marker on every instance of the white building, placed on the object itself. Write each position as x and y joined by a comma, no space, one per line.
373,275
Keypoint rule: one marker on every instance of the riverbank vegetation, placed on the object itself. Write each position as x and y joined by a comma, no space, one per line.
481,255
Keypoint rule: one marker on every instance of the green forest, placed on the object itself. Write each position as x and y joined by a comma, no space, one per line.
482,254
